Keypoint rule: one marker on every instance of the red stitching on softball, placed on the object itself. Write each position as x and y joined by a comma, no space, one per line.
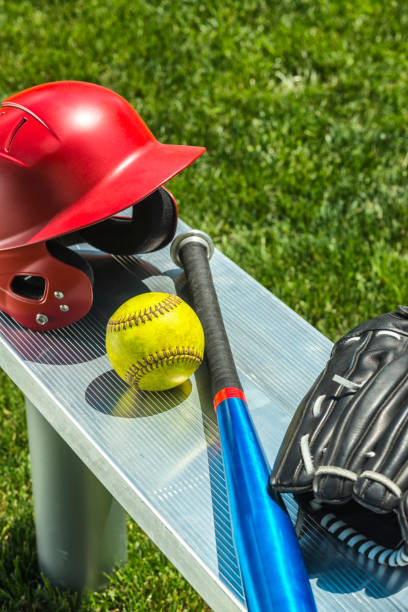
167,357
149,314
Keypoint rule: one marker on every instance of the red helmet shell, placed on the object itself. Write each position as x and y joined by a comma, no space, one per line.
73,154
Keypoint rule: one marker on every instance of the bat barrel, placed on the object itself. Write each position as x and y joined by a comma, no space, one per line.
272,568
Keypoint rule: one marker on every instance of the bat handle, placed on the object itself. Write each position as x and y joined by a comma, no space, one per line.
192,252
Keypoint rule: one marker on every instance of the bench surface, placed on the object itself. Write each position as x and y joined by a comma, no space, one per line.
158,454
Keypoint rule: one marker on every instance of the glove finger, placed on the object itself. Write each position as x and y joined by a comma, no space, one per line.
294,464
333,484
371,412
372,353
375,410
289,459
360,358
385,472
372,488
333,481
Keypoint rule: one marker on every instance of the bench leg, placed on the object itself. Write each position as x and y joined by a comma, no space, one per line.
80,528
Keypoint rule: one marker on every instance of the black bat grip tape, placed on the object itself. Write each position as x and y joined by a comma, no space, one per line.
193,256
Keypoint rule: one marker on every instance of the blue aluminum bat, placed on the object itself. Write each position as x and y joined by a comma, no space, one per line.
271,563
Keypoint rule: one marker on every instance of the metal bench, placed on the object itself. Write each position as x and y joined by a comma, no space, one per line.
99,448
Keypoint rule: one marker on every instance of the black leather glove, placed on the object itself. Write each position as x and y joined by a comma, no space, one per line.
345,454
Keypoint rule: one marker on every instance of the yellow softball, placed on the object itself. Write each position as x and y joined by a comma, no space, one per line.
155,341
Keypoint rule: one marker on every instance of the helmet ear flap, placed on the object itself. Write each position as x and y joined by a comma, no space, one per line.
45,286
33,287
152,226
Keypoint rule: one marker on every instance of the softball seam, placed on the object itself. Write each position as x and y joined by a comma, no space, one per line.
148,314
164,357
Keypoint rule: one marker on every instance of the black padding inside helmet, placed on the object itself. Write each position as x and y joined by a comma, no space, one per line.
57,250
151,227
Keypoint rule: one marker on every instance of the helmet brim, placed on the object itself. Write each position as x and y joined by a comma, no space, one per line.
142,173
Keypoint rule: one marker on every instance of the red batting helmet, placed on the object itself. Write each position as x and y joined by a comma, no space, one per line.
72,155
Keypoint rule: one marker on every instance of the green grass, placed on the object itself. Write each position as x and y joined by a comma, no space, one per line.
303,107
